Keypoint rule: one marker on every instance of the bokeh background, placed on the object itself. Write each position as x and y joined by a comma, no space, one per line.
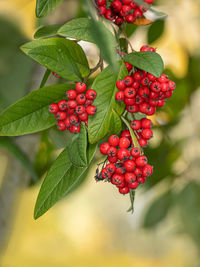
91,228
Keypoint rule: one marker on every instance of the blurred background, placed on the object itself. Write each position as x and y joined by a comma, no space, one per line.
91,228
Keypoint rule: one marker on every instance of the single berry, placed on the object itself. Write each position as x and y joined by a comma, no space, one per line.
53,108
124,142
71,94
61,126
123,154
80,87
113,140
91,110
91,94
141,161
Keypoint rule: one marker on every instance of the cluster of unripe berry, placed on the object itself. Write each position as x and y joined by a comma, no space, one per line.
127,167
143,92
71,112
122,10
142,129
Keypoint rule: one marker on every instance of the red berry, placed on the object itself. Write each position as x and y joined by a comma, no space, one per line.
124,190
88,103
138,172
147,170
83,116
125,133
129,165
111,167
121,85
126,9
163,78
133,185
80,87
128,66
80,109
110,15
135,152
128,80
146,123
61,115
172,85
119,96
124,142
76,128
142,142
129,101
102,10
155,87
130,18
123,154
104,148
61,126
73,119
120,169
81,99
141,180
136,125
70,111
116,5
53,108
147,134
137,76
91,94
141,161
151,77
132,108
119,21
71,104
113,159
71,94
113,140
130,92
130,177
101,2
105,173
117,179
112,151
91,110
62,104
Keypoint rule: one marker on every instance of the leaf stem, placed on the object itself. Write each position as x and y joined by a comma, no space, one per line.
45,78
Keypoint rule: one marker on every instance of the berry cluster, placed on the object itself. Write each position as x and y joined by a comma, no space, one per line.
122,10
142,91
127,168
71,112
142,129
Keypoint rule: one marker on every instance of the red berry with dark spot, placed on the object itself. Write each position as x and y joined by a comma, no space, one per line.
133,185
91,94
71,104
136,125
132,108
73,119
83,116
147,170
130,177
117,179
81,99
91,110
129,165
130,92
124,142
135,152
62,104
112,151
71,94
123,154
119,96
53,108
80,109
61,126
104,148
128,80
121,85
80,87
124,190
113,140
111,167
61,115
113,159
141,161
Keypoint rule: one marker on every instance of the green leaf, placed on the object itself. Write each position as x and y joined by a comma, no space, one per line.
158,210
155,30
105,86
61,179
64,57
92,31
19,155
30,114
45,78
133,136
78,148
115,123
148,61
47,31
44,7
